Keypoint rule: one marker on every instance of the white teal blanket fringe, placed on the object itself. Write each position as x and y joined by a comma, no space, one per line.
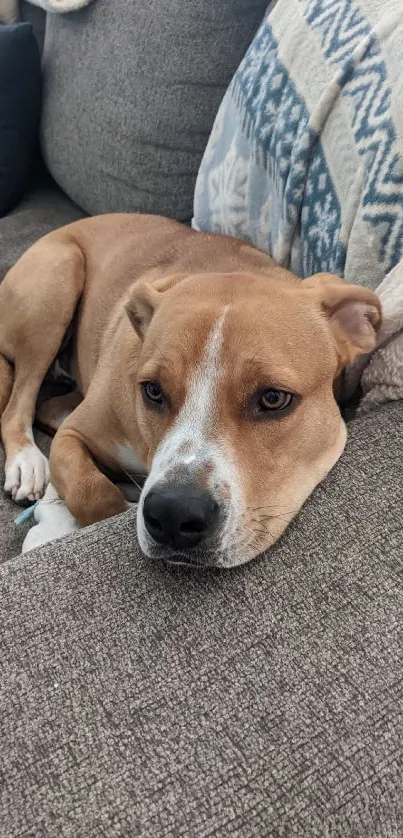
305,159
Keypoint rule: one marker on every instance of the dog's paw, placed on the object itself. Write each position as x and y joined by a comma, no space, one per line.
53,521
27,474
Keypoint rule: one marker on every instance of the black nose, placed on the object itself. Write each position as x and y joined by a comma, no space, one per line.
180,516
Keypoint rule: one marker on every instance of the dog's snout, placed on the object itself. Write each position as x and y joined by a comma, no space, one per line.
181,516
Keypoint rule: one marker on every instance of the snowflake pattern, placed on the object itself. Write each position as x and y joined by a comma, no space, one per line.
228,184
325,218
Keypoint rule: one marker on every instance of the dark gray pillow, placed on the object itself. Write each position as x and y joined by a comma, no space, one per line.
37,18
20,102
131,92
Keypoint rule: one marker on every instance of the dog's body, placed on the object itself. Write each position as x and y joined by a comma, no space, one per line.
197,360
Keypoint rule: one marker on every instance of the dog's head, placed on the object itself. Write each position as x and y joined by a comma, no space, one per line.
236,412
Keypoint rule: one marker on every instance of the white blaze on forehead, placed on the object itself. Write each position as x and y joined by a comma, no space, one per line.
188,442
198,410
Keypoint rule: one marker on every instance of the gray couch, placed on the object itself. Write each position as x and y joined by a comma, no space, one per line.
141,701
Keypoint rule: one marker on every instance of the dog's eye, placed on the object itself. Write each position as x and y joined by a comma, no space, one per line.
153,393
274,400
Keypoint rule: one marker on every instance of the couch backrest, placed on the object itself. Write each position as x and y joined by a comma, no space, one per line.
131,89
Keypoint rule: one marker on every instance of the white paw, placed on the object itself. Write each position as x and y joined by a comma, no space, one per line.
53,521
27,474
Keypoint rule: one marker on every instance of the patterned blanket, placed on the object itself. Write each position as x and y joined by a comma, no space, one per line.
306,155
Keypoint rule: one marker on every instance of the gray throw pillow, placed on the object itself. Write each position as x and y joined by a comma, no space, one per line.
20,103
131,90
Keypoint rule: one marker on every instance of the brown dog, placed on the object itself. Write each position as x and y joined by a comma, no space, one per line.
198,360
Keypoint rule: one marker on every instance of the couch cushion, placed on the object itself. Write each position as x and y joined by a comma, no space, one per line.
20,102
267,700
44,208
131,92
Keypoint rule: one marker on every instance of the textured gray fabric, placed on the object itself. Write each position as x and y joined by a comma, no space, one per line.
44,208
131,90
264,701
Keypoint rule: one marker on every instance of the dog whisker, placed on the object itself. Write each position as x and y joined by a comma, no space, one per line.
268,509
272,516
131,478
267,519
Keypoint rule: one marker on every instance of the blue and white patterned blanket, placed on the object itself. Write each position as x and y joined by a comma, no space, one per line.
306,156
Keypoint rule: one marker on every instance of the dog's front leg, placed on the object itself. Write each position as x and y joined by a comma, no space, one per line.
87,493
78,495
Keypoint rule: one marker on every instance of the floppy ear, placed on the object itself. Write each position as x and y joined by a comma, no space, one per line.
141,306
145,299
354,314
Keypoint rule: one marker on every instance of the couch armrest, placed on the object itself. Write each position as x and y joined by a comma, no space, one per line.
137,700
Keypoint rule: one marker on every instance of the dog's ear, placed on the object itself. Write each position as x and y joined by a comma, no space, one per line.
354,314
141,306
145,299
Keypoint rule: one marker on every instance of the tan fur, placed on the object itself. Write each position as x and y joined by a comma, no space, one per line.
147,292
